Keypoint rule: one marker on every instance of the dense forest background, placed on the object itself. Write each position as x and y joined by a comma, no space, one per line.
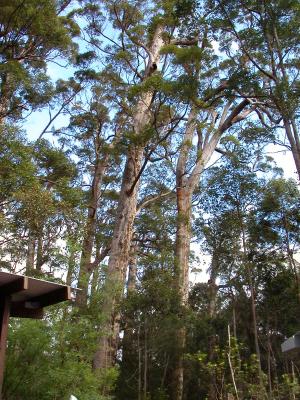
151,160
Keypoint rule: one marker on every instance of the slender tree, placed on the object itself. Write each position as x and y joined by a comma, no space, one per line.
267,52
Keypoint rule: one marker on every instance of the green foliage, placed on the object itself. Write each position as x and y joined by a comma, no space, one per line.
16,167
231,368
190,54
32,32
47,360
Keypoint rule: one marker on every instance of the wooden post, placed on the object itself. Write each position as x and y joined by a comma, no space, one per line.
4,317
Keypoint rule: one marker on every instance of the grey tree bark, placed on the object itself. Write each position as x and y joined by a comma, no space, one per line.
85,268
125,215
186,183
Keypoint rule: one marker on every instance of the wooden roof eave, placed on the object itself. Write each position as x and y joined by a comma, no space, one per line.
28,296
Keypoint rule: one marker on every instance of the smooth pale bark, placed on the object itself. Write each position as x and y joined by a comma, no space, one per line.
95,280
86,266
185,186
186,183
293,138
123,230
289,123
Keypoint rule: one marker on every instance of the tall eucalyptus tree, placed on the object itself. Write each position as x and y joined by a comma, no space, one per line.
141,29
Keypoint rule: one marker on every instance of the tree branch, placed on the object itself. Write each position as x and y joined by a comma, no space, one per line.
151,199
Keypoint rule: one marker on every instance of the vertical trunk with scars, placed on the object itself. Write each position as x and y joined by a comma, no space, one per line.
125,215
132,270
182,251
185,189
90,231
186,184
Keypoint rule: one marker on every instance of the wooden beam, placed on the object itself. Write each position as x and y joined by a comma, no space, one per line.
56,296
4,317
17,285
20,310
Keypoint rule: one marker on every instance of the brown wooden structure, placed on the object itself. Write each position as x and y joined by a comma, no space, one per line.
25,297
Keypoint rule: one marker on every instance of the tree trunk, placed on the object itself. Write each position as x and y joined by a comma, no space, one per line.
139,365
129,330
253,304
212,299
30,254
293,138
39,253
95,281
123,230
213,287
254,318
5,96
118,261
145,375
132,271
182,251
292,262
186,183
269,361
85,269
284,108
